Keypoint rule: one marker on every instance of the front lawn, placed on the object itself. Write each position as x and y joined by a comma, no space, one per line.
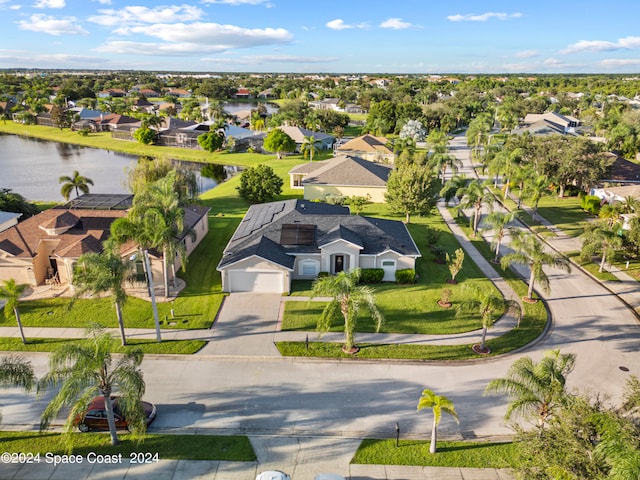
177,447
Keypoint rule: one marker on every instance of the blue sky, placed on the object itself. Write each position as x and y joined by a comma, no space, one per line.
375,36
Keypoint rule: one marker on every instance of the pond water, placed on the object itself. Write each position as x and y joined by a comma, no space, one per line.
233,107
32,167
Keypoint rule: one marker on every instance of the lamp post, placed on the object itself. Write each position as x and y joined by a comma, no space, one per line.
397,434
152,294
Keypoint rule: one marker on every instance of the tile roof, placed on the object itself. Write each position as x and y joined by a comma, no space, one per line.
23,239
366,143
332,222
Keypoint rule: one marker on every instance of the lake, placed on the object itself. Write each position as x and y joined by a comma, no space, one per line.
31,167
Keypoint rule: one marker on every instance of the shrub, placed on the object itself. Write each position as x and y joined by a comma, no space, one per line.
371,275
432,236
408,275
334,199
591,204
323,274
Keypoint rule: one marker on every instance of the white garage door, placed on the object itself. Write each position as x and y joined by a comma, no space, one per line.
265,282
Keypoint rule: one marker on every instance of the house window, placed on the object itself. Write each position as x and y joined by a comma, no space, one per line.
182,138
309,267
297,180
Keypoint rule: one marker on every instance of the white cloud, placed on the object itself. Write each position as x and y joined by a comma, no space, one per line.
51,25
395,23
196,38
338,24
49,4
103,2
30,59
265,59
603,45
137,15
527,54
620,62
483,17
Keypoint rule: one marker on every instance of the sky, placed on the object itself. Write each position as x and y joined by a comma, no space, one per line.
347,36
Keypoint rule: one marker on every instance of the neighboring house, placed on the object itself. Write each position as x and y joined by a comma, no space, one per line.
243,93
179,138
344,175
550,123
368,147
622,171
143,105
8,220
613,195
268,93
45,247
179,92
297,239
298,134
112,92
115,121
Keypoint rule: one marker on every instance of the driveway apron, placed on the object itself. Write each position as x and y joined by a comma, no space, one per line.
246,325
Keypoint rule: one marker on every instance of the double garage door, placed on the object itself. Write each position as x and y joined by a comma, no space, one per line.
263,282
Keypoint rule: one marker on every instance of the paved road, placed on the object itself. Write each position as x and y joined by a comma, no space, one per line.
262,394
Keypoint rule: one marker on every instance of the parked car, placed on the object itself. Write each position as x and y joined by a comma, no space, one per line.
273,475
95,416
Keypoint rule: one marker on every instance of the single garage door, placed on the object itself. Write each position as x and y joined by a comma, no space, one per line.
265,282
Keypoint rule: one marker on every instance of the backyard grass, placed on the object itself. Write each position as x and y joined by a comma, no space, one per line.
176,447
450,454
592,267
148,346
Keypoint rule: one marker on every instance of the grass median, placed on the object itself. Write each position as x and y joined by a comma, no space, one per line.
449,454
148,346
174,447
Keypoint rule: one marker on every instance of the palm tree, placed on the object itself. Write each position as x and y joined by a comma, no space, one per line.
76,182
489,304
600,236
498,223
10,291
104,273
535,189
86,369
310,147
529,251
348,297
438,404
16,372
536,389
475,195
440,159
455,184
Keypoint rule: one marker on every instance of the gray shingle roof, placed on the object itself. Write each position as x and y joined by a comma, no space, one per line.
259,232
352,171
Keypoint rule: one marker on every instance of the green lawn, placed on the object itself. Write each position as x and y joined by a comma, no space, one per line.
179,347
449,454
177,447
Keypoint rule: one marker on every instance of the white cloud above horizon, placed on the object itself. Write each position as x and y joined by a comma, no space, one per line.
395,23
527,54
338,24
483,17
53,26
626,43
139,15
49,4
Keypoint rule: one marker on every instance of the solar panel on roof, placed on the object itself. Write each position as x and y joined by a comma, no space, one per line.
297,234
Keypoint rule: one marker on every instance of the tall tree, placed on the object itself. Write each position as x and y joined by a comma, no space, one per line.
412,189
259,184
475,195
75,182
279,142
438,404
535,389
104,273
529,251
488,304
347,298
498,223
601,237
310,147
83,370
10,292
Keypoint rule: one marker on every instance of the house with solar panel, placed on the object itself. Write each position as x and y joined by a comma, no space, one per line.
282,241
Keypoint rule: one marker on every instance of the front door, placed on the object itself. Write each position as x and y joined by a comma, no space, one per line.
338,265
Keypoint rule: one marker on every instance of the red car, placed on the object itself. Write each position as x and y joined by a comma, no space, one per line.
95,416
